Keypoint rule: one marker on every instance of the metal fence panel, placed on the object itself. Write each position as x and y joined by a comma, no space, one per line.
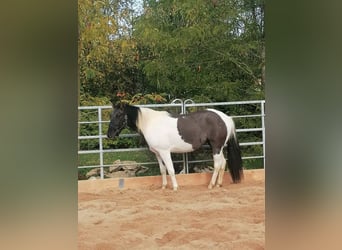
178,103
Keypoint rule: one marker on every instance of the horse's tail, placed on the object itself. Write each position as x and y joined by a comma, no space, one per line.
234,157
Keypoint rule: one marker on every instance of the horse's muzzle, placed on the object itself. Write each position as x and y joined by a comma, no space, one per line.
112,135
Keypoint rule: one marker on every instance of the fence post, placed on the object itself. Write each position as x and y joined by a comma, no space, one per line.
186,102
186,158
181,102
263,129
184,155
99,113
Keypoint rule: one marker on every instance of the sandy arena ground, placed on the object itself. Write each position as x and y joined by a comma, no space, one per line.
142,216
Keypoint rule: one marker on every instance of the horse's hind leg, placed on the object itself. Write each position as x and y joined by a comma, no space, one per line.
218,162
221,172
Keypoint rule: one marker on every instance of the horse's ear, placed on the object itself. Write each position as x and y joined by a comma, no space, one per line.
119,105
116,104
113,101
123,104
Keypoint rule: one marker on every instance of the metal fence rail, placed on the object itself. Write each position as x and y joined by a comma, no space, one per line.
184,107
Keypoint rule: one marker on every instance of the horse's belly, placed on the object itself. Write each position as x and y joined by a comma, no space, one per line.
167,138
181,146
172,143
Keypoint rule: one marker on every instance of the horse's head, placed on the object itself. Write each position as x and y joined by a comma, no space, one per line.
118,120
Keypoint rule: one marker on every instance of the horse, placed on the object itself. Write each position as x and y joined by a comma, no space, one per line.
167,133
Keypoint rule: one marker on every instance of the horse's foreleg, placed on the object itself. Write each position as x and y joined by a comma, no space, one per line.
167,161
162,171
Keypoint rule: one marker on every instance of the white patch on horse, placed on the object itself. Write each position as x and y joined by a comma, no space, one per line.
160,131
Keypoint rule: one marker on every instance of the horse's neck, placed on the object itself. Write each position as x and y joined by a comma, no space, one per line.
148,116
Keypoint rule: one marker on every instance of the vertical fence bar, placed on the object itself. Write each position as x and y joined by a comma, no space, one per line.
263,128
184,155
99,112
186,158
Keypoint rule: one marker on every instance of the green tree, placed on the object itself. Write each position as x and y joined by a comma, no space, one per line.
107,51
203,48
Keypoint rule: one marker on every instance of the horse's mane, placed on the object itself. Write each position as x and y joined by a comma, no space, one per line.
132,115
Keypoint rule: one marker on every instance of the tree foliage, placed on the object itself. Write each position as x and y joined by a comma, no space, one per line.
199,47
106,49
210,50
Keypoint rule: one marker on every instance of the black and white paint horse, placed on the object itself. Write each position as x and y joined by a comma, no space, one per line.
166,134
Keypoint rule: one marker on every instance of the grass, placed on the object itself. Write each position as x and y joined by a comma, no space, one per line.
147,156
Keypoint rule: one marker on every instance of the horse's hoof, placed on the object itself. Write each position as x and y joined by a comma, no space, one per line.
210,186
175,188
163,187
218,185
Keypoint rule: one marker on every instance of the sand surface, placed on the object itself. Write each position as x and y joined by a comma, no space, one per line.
230,217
